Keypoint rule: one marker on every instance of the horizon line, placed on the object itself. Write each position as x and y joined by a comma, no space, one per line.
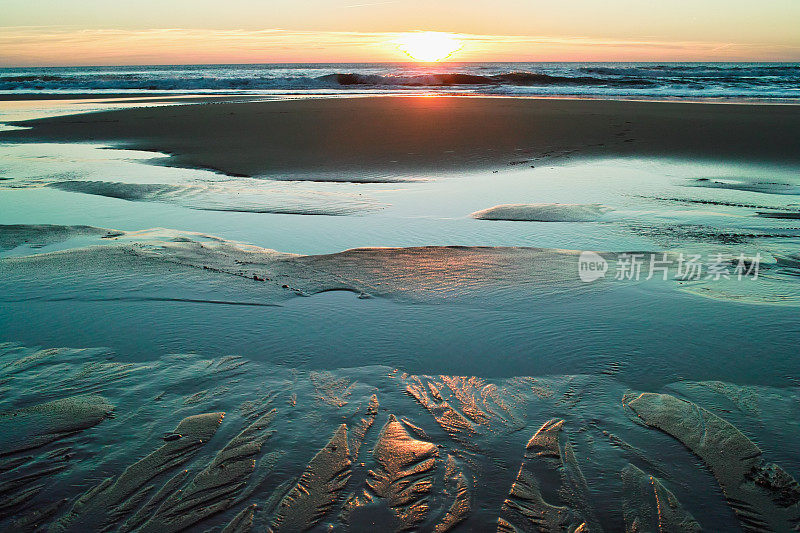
415,63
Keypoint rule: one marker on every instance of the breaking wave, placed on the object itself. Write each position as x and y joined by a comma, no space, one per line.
450,79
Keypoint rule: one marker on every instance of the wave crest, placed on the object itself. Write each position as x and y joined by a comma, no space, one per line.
526,79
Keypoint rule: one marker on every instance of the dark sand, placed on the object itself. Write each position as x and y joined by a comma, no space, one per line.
401,135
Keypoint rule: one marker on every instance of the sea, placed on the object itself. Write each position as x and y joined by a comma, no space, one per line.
758,81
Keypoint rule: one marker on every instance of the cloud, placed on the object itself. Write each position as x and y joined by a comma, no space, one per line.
369,4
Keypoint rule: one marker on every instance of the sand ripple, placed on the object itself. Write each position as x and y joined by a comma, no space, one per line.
282,459
255,196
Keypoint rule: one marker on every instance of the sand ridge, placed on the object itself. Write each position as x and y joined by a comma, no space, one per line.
544,212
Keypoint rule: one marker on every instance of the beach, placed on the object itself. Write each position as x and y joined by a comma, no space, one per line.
294,313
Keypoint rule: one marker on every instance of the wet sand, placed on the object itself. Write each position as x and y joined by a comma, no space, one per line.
187,442
251,385
386,136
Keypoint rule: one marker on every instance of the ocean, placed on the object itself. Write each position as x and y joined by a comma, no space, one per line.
759,81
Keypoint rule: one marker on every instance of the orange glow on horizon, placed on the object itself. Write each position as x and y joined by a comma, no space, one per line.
23,46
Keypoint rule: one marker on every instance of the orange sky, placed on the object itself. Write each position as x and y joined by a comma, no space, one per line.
90,32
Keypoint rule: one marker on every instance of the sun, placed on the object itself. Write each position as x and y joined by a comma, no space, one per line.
429,46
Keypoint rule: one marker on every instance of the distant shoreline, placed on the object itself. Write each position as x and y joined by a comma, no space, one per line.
229,97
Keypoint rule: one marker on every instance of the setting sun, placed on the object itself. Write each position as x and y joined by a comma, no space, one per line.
429,46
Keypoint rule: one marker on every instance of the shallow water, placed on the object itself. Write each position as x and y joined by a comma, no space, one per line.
522,333
656,202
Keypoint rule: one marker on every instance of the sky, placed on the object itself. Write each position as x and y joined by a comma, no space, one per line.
103,32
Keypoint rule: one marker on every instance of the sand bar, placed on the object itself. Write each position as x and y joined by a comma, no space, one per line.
403,135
